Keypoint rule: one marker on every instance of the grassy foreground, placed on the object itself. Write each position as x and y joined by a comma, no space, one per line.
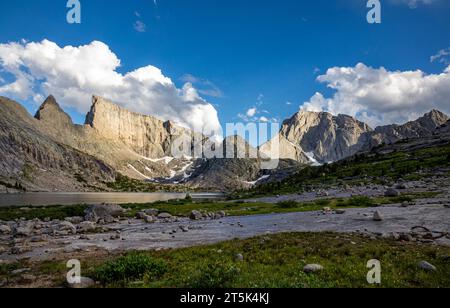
272,261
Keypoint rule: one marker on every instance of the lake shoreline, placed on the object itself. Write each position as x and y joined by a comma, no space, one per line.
40,199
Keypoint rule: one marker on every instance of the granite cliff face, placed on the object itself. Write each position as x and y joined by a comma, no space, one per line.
312,137
145,135
33,160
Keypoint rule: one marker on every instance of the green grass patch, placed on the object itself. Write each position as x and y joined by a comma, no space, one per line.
360,169
131,267
41,212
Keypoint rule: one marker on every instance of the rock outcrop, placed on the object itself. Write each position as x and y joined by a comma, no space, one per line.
145,135
319,137
33,160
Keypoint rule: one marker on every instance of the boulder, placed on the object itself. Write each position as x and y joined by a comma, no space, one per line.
195,215
141,215
152,212
401,186
149,219
103,212
85,283
65,226
427,266
25,229
406,237
391,192
340,212
5,229
377,216
75,220
239,257
87,226
312,268
165,216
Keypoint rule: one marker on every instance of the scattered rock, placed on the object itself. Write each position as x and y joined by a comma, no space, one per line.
141,215
103,212
20,249
196,215
391,192
377,216
87,226
84,283
165,216
427,266
20,271
312,268
24,230
115,237
149,219
401,186
184,229
406,237
74,220
66,226
152,212
222,213
239,257
5,229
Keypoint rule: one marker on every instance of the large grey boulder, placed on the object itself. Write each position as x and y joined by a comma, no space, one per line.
5,229
66,226
312,268
24,229
103,212
391,192
427,266
87,226
195,215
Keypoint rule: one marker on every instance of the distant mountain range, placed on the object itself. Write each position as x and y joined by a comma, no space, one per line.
49,152
312,137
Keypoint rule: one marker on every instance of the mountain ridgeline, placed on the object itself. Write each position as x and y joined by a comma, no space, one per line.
310,137
48,152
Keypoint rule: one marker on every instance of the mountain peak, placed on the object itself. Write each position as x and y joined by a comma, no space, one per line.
437,115
51,112
433,119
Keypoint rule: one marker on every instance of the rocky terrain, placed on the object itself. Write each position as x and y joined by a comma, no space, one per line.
108,227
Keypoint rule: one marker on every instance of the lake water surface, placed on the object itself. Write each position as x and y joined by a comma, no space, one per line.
39,199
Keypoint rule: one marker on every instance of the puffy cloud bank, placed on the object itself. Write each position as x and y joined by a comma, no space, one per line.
378,96
73,74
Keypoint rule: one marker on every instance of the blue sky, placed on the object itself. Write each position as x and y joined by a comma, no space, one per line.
242,53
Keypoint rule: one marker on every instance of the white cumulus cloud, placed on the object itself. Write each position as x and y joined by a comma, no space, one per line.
252,112
412,4
74,74
378,96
